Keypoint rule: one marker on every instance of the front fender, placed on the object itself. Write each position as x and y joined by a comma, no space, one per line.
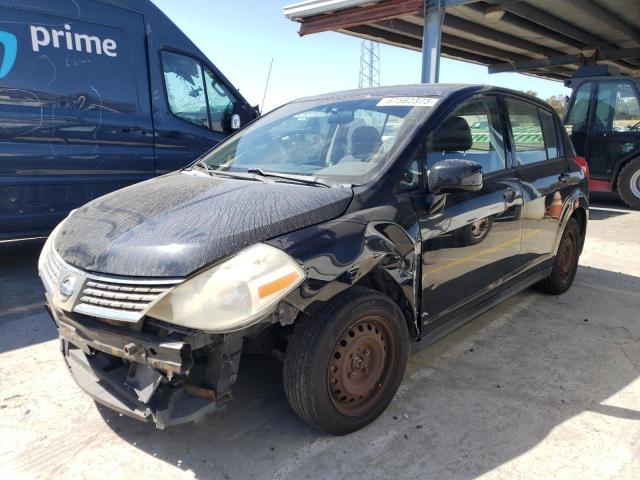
344,252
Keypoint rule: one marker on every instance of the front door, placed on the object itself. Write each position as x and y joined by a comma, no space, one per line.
192,105
471,240
615,129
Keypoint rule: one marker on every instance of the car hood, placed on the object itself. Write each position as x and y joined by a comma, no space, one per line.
175,224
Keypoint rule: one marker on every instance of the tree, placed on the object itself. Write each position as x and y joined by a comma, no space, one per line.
558,102
533,93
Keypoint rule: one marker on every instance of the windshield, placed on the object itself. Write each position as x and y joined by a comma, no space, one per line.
338,142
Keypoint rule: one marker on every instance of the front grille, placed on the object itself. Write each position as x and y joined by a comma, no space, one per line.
121,296
105,296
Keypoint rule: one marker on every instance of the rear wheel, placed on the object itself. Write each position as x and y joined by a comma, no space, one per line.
565,264
344,365
629,183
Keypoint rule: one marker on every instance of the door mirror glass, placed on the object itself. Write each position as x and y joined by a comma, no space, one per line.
235,121
453,175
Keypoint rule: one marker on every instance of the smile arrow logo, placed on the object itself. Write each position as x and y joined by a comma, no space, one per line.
10,45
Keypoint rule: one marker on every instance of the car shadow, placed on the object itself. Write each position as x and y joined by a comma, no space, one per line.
607,200
23,320
489,392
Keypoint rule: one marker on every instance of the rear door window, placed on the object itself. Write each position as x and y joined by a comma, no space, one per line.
526,129
550,135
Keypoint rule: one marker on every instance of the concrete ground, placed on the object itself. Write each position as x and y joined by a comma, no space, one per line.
540,387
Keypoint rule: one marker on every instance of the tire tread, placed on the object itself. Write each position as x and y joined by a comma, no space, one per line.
624,191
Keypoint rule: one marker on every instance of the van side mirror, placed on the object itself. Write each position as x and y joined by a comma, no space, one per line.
453,175
235,121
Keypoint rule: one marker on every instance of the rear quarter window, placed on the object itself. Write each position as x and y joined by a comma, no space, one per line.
526,128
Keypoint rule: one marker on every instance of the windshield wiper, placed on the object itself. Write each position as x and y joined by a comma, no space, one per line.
227,173
306,180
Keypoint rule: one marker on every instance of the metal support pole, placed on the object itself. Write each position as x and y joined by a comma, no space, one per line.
431,41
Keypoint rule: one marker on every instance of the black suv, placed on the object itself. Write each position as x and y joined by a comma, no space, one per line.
340,231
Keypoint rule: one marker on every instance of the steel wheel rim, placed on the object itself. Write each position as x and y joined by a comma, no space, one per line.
360,365
566,256
479,228
634,183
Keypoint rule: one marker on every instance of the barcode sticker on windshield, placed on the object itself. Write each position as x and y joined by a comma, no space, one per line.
407,102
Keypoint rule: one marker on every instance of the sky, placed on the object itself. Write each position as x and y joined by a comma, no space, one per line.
241,38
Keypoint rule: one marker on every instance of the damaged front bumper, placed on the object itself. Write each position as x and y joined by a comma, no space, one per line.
156,374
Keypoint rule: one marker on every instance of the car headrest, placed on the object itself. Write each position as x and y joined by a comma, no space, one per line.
454,135
365,141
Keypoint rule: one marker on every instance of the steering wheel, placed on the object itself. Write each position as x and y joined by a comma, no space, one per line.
297,141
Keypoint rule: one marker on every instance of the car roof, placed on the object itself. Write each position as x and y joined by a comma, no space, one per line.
421,90
414,90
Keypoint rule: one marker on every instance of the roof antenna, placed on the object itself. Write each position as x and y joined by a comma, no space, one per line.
267,84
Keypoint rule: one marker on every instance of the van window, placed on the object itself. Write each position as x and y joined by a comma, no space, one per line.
474,132
579,111
617,109
220,102
185,88
550,134
195,94
527,132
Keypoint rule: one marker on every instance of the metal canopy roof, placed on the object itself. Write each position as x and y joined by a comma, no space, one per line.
545,38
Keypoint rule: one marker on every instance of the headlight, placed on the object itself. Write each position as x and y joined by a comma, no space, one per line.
233,294
48,244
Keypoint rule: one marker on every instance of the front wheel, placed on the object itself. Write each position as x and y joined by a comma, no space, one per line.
565,264
344,365
629,184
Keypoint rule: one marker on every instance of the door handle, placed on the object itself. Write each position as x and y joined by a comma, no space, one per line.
564,177
175,134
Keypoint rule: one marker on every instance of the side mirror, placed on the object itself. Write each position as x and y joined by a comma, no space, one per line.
454,175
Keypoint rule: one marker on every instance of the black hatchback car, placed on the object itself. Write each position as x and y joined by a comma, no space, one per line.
340,232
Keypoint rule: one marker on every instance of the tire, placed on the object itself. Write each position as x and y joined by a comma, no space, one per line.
328,391
629,183
565,263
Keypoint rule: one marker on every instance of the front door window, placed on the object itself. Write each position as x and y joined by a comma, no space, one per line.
578,117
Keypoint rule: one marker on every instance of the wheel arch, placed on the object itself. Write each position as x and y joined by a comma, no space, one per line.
379,280
575,206
381,256
619,166
580,215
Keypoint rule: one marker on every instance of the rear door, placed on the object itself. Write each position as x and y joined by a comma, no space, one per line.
75,117
471,242
545,175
